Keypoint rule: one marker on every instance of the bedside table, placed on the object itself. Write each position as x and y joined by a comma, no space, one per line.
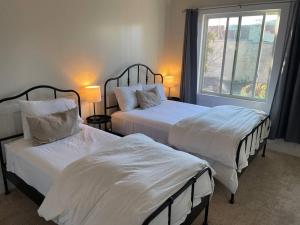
174,99
99,120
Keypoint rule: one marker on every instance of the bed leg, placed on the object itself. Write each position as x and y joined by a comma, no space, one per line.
4,178
264,149
231,201
5,182
6,187
205,222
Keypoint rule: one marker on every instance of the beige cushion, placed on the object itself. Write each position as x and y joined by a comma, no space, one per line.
160,88
147,99
53,127
43,108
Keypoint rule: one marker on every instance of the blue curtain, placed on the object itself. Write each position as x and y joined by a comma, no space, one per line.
285,110
188,88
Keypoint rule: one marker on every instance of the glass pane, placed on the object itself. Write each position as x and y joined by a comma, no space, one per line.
266,55
229,54
247,55
215,36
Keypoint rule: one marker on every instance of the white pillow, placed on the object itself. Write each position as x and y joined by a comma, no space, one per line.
160,87
126,97
43,108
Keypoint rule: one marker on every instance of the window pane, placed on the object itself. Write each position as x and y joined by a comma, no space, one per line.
247,55
266,55
216,28
229,55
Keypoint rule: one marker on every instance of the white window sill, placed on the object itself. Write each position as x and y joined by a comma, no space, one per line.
213,100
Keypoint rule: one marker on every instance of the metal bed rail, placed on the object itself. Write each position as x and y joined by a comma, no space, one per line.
254,130
169,202
258,129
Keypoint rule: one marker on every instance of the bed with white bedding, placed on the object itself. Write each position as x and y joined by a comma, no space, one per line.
226,136
46,170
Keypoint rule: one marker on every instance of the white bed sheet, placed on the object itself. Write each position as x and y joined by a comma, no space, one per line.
155,121
39,166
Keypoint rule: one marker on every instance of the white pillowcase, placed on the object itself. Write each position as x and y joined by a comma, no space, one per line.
43,108
160,87
126,97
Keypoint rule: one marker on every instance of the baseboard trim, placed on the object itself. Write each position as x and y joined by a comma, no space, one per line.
279,145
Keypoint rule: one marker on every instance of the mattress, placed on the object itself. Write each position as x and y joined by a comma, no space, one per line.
155,121
39,166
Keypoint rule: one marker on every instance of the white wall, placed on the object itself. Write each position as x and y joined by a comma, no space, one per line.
72,43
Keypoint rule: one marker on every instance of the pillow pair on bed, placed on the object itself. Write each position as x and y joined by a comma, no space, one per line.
48,121
127,98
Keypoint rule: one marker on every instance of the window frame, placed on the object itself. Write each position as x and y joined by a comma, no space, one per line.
212,99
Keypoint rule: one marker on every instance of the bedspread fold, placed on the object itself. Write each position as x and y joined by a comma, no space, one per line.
121,184
216,133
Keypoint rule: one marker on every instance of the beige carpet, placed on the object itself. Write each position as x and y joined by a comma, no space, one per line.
269,194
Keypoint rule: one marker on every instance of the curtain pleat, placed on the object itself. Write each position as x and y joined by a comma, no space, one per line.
188,88
285,110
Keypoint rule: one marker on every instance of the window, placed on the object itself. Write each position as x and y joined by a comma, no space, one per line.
237,53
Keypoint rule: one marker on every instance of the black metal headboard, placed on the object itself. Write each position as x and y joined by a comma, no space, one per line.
127,72
26,93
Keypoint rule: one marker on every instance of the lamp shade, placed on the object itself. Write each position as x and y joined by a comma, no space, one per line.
92,94
169,81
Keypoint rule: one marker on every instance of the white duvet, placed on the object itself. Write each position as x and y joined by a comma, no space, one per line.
122,184
216,133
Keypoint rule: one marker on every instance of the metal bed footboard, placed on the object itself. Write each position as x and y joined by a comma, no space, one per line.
257,130
168,203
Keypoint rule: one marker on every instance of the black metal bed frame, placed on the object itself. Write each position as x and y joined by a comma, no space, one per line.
38,198
127,72
262,145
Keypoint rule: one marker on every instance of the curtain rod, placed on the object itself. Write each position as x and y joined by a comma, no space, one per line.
241,5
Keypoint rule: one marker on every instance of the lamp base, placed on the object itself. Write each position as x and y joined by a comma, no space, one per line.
94,108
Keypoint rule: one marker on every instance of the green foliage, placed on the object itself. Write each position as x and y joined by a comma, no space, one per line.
260,90
211,37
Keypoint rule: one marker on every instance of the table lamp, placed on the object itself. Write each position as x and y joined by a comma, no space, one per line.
92,94
169,82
